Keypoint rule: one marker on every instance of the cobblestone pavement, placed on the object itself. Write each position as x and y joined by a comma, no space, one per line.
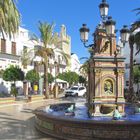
17,121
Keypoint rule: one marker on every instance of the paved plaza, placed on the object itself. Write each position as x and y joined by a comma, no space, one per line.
17,121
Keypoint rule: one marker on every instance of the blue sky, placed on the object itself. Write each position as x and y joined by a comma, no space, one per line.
73,13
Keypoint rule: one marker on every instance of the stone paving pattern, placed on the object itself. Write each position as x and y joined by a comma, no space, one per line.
17,121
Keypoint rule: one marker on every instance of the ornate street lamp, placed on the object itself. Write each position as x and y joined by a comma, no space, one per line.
110,26
124,33
84,33
104,6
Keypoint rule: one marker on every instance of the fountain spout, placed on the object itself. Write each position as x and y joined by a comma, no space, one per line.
70,111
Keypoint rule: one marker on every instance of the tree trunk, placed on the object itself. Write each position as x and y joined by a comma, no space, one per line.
131,77
46,93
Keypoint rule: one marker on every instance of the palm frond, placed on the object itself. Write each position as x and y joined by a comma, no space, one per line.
135,25
138,51
137,9
85,67
9,17
26,58
137,42
46,33
66,57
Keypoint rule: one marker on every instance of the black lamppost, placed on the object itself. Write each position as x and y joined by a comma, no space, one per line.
56,87
127,35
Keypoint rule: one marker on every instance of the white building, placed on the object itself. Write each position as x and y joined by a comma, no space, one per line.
12,52
75,63
126,52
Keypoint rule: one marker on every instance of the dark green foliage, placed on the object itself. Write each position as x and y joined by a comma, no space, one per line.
82,79
137,42
32,76
70,77
13,73
136,72
50,78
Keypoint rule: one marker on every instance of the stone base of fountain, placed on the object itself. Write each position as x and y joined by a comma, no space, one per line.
69,113
96,128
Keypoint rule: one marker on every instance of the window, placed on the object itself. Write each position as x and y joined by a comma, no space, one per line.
3,45
81,88
13,49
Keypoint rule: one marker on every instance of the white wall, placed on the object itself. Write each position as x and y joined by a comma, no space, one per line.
126,52
21,39
75,63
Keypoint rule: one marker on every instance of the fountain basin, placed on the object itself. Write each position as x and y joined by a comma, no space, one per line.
80,126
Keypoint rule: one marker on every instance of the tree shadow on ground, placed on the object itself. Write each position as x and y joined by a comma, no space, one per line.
19,129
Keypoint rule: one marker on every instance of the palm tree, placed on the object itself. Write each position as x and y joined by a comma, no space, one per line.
26,57
131,45
9,17
134,41
48,37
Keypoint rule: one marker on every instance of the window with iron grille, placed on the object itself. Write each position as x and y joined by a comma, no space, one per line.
13,49
3,45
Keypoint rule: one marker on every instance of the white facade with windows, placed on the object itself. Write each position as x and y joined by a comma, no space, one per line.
11,52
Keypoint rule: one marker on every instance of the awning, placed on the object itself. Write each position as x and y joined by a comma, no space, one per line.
61,81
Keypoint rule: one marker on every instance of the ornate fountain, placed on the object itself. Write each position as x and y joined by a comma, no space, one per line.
96,118
106,72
